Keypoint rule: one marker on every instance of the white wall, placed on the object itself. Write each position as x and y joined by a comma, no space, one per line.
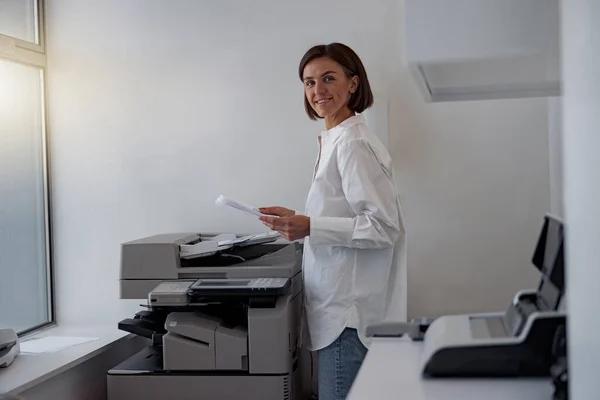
156,108
581,123
475,183
555,144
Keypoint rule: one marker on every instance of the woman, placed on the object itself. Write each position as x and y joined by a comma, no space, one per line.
353,224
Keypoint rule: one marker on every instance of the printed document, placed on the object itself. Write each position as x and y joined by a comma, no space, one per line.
225,201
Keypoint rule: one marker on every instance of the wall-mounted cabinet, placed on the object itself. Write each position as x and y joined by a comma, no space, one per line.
483,49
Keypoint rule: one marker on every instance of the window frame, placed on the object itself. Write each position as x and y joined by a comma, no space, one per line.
27,53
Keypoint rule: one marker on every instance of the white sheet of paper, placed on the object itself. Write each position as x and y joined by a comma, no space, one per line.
235,241
207,247
225,201
50,344
270,234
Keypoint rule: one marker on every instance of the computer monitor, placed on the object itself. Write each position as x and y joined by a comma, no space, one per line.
549,259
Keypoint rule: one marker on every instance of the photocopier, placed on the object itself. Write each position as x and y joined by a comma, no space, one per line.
222,317
517,342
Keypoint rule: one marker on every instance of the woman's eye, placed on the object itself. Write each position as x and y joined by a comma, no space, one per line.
309,83
329,79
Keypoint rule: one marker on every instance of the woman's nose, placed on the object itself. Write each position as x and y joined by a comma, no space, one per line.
319,87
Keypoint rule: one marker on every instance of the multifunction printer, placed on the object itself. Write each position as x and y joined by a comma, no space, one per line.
222,317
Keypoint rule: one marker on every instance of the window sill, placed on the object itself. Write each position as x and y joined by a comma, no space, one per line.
29,370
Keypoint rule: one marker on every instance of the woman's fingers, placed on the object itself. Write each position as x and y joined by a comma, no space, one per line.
291,228
277,211
271,222
269,210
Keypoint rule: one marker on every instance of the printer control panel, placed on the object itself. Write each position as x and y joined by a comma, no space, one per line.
263,283
247,287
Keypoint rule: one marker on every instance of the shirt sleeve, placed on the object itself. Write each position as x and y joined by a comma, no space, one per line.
371,193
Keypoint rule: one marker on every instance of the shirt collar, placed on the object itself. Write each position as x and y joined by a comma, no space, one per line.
334,133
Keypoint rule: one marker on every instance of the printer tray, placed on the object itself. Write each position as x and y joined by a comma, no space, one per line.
142,377
146,324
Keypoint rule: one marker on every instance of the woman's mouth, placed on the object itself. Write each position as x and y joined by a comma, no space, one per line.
322,102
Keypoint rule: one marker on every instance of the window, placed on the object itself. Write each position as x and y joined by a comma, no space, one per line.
25,289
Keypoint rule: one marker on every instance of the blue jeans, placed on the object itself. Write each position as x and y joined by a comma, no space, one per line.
338,365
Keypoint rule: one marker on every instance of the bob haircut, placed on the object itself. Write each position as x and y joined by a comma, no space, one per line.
352,66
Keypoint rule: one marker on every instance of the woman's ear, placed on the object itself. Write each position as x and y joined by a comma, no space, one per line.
354,84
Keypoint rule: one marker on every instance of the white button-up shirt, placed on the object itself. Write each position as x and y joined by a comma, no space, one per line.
355,255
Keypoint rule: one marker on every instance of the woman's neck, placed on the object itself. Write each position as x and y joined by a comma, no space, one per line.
333,120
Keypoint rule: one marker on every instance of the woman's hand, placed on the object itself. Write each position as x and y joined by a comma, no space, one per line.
277,211
292,228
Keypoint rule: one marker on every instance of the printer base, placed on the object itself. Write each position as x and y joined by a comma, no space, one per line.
142,377
194,387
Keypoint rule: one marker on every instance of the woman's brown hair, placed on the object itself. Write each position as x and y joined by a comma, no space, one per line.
352,66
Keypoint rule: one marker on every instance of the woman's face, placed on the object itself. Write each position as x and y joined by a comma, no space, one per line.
327,87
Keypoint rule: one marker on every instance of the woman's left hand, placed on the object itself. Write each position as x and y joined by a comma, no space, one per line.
292,228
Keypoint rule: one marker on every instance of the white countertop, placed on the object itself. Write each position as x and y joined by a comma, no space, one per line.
30,369
391,371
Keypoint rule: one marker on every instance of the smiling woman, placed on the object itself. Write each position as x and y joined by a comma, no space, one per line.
355,240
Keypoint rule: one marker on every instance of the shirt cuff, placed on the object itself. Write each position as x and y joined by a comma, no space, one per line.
333,231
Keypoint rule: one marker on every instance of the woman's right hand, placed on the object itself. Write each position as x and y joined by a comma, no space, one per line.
277,211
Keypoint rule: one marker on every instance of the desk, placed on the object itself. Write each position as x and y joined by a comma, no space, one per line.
29,370
391,371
